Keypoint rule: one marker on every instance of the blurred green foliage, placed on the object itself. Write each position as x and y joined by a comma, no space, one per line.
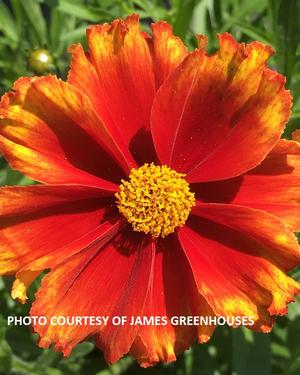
30,25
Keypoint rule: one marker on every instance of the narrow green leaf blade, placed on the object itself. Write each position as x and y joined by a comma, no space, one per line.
184,16
36,19
7,24
251,352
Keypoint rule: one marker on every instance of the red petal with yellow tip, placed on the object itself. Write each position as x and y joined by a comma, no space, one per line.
168,51
116,341
235,274
273,186
54,136
228,108
16,97
111,280
167,297
117,74
280,244
44,225
201,308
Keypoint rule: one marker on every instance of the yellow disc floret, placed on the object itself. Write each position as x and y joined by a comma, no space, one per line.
155,199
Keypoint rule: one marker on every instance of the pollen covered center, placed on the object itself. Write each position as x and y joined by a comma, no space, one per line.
155,199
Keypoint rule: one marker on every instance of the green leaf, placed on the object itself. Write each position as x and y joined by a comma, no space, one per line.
81,11
46,359
207,358
3,328
56,27
286,27
251,352
252,32
296,114
82,349
238,12
280,350
188,361
36,20
74,35
21,367
293,336
199,17
53,371
7,24
5,357
13,177
5,350
295,273
118,368
184,17
18,15
294,368
22,342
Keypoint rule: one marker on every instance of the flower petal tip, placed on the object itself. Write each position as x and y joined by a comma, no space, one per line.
296,135
280,303
203,339
19,291
22,282
202,41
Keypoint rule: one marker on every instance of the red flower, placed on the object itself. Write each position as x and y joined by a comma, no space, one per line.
166,189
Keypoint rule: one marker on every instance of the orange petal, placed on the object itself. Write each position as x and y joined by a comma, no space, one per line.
198,304
22,282
228,108
296,135
273,186
17,96
116,341
117,75
167,297
203,309
44,225
280,244
233,275
168,50
50,124
121,274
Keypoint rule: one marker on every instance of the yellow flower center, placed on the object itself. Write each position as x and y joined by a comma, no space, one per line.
155,199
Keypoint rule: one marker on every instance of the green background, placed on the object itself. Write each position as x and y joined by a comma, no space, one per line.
53,25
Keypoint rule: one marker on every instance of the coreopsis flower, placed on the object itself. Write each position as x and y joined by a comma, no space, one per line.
166,190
